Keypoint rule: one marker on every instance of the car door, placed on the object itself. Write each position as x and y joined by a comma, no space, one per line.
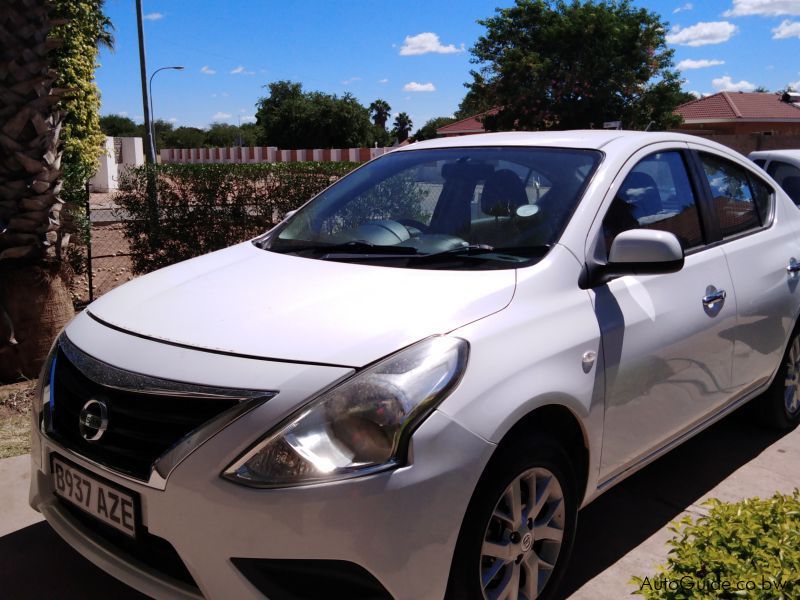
667,340
762,250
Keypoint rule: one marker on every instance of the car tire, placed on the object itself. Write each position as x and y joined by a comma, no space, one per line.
497,548
779,406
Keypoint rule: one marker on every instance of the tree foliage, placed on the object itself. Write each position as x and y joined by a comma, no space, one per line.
428,131
402,126
380,110
289,117
83,30
553,64
119,126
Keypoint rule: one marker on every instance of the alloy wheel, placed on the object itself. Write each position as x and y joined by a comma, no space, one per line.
524,536
792,384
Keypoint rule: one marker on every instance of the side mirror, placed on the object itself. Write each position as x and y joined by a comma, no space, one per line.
637,252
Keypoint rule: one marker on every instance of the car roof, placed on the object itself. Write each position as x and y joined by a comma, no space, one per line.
585,138
795,154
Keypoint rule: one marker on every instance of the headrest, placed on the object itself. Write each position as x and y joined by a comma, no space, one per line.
502,193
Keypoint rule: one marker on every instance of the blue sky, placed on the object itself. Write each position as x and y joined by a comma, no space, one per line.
413,54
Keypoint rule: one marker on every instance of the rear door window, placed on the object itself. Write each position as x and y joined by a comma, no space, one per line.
733,199
788,177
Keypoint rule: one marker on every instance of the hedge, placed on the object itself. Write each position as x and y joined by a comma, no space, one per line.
201,208
747,549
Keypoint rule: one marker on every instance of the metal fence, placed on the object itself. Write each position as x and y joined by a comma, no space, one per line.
103,263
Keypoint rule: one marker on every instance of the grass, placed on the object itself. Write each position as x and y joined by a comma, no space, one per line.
15,420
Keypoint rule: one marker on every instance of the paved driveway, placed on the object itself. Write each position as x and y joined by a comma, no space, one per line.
620,535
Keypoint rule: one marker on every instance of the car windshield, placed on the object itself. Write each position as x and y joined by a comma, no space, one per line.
454,208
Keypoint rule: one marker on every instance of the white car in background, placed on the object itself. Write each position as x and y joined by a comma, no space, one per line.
409,387
783,166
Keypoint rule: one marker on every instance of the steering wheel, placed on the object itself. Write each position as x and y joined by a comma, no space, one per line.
418,225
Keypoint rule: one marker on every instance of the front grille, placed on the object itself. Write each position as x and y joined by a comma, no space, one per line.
141,426
148,549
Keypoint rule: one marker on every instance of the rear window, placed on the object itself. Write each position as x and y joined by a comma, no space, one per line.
735,204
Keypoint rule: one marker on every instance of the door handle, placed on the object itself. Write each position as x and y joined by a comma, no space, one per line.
711,299
793,266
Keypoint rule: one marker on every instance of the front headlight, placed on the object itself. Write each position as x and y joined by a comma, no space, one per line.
362,425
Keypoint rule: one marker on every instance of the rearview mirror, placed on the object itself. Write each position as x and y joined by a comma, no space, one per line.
636,252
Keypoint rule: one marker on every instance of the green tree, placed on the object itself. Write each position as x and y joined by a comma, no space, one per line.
83,29
162,130
380,110
185,137
565,65
428,131
289,117
402,126
476,100
221,135
119,126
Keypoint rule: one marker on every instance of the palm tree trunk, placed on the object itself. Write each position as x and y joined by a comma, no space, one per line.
35,299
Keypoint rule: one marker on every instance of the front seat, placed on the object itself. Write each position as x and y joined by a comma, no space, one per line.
503,193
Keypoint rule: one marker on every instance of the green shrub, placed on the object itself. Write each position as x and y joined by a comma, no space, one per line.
749,549
202,208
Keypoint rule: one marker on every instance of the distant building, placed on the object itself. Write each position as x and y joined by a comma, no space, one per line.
466,126
742,112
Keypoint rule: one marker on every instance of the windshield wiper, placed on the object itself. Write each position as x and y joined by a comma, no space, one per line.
359,247
478,249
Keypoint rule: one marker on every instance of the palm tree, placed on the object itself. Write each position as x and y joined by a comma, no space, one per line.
380,110
402,126
34,299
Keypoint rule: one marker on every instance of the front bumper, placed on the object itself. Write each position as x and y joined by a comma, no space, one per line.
401,526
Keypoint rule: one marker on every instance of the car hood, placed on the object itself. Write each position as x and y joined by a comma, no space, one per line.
252,302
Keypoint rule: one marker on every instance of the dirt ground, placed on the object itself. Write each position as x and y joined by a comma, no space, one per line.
15,421
110,266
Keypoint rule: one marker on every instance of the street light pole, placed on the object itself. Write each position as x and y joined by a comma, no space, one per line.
150,153
152,129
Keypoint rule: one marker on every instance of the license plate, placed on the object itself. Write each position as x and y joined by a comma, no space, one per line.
109,504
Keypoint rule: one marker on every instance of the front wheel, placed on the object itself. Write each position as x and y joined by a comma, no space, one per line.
519,528
780,404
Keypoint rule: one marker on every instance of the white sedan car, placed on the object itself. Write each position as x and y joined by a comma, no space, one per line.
783,166
409,387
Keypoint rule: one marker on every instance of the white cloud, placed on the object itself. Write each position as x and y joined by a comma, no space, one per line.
413,86
687,6
248,118
351,80
207,70
153,16
702,33
764,8
123,113
173,119
240,70
425,43
726,84
684,65
787,29
384,80
221,116
224,94
696,94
